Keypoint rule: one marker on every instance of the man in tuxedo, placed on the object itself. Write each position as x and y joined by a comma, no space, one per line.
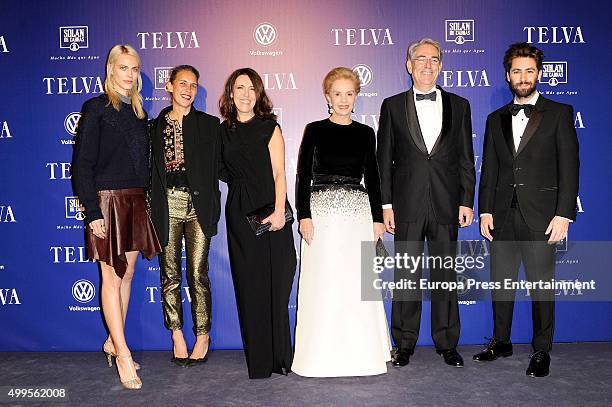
527,198
426,165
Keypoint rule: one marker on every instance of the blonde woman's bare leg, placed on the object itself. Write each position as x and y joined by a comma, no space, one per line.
113,315
126,286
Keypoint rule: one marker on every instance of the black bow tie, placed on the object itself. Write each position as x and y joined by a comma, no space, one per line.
515,108
429,96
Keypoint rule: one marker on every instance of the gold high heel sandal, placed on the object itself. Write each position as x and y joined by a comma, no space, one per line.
134,382
109,351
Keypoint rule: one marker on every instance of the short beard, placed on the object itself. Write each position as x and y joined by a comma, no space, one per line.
523,93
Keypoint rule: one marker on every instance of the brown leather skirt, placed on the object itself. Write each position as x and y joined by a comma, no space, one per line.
128,229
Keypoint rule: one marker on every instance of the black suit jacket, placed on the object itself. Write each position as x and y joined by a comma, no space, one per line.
202,146
544,170
410,176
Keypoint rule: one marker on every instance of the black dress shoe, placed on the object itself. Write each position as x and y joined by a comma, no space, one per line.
493,350
282,371
539,365
401,358
451,357
196,362
182,362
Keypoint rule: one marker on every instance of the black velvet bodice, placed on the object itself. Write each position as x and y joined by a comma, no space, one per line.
344,151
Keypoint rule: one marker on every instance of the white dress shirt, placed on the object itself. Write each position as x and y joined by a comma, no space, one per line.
429,113
430,116
519,122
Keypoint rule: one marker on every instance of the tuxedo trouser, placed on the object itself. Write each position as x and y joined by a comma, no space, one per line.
407,303
512,244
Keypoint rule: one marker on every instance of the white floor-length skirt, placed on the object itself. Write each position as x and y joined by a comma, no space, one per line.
338,333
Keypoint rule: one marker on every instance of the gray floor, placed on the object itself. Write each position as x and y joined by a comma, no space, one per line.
581,375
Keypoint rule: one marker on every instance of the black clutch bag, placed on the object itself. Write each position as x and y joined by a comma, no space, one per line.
381,250
255,217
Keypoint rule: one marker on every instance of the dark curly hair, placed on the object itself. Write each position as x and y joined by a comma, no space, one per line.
523,49
263,105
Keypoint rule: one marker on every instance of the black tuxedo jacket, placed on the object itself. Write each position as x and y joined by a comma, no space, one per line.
544,170
410,177
202,146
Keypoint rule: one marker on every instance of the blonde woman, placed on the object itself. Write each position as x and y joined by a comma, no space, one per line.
110,170
337,333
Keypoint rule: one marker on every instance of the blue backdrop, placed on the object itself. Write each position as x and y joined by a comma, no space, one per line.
52,57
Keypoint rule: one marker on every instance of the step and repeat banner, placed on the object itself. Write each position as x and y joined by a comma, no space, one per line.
52,57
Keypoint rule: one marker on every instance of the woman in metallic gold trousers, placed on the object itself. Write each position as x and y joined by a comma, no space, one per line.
185,205
183,222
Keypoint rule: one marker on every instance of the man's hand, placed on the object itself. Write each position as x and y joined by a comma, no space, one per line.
389,220
557,228
486,225
466,216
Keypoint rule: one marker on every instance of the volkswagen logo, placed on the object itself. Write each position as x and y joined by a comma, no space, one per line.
364,73
462,279
71,122
265,34
83,291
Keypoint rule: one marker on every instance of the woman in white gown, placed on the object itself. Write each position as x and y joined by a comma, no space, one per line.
338,333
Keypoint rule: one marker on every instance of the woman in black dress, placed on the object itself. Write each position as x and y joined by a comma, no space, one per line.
110,169
263,266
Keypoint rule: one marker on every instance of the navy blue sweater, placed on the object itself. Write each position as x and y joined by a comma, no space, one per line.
111,152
